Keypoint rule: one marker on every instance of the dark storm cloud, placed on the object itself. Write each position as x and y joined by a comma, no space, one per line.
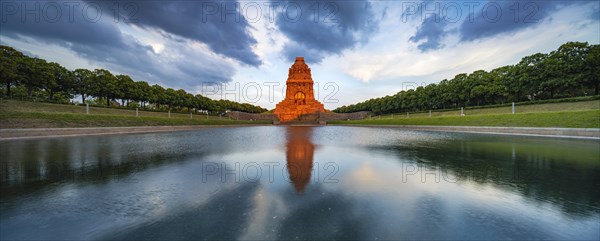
431,33
56,24
595,15
476,20
498,17
218,24
102,43
336,26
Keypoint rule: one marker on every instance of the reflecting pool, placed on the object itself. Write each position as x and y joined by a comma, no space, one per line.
275,182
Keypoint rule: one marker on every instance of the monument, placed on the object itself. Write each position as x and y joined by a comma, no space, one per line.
299,95
299,155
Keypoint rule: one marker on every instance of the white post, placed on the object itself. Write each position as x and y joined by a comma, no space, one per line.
87,108
513,107
169,113
392,116
429,113
462,111
137,114
207,114
407,116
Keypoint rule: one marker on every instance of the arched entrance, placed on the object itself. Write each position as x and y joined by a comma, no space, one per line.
300,98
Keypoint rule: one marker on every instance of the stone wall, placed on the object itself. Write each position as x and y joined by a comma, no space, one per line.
320,116
329,116
237,115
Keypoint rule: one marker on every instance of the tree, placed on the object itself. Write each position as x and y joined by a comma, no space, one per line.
125,88
203,103
593,68
170,98
141,92
105,85
34,73
565,68
528,76
9,71
157,95
496,78
445,96
477,84
61,79
83,83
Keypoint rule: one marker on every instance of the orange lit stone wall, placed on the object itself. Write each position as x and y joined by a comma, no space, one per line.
299,95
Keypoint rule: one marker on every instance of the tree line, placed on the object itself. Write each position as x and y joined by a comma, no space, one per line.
25,77
570,71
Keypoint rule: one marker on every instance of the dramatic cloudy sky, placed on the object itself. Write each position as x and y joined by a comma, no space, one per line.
241,50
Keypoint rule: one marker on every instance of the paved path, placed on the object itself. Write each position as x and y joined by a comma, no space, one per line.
588,133
16,134
29,133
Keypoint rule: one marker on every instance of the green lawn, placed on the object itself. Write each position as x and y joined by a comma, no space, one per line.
28,106
23,114
532,108
566,119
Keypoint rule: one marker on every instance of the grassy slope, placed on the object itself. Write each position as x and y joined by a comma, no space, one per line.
547,107
21,114
571,119
28,106
581,114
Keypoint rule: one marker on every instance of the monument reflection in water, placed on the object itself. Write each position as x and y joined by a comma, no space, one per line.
388,183
299,155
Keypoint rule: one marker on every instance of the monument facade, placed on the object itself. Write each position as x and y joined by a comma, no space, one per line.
299,94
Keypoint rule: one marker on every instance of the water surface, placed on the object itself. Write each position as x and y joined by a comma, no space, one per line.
300,183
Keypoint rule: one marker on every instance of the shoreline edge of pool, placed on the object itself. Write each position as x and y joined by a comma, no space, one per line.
33,133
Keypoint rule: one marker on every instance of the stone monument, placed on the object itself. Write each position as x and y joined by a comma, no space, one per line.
299,95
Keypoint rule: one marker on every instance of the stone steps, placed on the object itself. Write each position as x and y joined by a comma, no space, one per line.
305,119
